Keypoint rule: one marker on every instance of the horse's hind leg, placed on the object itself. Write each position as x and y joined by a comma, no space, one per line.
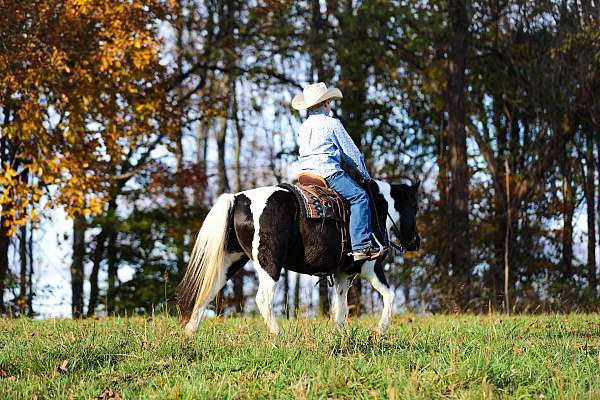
273,224
340,300
233,262
374,273
264,299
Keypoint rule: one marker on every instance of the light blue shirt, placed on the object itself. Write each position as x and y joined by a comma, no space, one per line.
324,143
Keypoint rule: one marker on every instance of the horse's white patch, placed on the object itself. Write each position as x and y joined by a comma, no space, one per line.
264,298
266,285
258,201
386,191
339,309
368,272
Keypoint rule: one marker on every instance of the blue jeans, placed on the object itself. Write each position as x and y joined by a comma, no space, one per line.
360,213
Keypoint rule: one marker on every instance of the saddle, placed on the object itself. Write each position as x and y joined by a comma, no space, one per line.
320,202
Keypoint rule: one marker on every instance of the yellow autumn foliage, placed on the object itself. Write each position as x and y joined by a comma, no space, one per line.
81,87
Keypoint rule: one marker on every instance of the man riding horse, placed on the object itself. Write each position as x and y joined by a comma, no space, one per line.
324,145
269,226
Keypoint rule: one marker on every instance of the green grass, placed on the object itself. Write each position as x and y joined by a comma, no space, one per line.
422,357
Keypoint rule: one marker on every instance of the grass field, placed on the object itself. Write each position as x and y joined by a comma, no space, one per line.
422,357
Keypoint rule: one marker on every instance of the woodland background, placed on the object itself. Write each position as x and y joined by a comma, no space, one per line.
132,116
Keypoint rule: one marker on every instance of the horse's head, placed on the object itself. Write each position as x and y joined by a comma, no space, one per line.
405,203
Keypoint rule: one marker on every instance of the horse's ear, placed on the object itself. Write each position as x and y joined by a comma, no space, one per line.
416,185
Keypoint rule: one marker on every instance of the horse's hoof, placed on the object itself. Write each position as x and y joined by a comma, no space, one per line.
274,331
188,332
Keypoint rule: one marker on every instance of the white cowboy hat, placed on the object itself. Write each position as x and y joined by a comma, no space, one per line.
314,94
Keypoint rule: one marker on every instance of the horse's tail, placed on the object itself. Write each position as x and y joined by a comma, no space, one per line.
205,268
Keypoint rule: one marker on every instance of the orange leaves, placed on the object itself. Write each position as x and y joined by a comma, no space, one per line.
17,196
82,85
95,204
9,173
76,8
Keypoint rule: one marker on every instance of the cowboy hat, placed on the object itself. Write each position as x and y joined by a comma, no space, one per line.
314,94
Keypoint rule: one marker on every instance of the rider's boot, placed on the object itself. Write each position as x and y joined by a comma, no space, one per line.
368,253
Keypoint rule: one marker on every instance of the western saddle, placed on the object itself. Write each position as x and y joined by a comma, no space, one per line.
318,201
309,179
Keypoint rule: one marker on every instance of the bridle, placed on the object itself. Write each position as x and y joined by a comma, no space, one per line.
397,246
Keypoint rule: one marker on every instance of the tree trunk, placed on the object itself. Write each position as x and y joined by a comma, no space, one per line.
286,292
597,136
4,242
30,293
323,298
318,44
77,267
180,26
22,302
442,252
202,149
98,257
501,207
567,235
507,239
457,141
239,136
180,204
111,255
223,182
4,239
591,211
297,296
568,210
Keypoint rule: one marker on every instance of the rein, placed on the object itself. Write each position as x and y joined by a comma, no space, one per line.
396,246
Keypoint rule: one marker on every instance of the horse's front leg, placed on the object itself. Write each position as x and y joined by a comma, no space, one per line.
373,272
340,300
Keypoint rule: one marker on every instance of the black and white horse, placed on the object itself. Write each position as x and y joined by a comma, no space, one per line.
266,226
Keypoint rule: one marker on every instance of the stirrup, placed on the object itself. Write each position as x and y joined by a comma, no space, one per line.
381,252
382,248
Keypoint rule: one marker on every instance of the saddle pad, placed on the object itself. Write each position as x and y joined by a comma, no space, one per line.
318,202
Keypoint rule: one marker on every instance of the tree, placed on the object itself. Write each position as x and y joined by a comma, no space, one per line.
92,81
458,193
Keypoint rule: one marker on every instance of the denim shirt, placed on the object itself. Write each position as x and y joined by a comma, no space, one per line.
324,143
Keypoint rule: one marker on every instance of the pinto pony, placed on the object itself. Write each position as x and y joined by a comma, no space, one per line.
266,225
